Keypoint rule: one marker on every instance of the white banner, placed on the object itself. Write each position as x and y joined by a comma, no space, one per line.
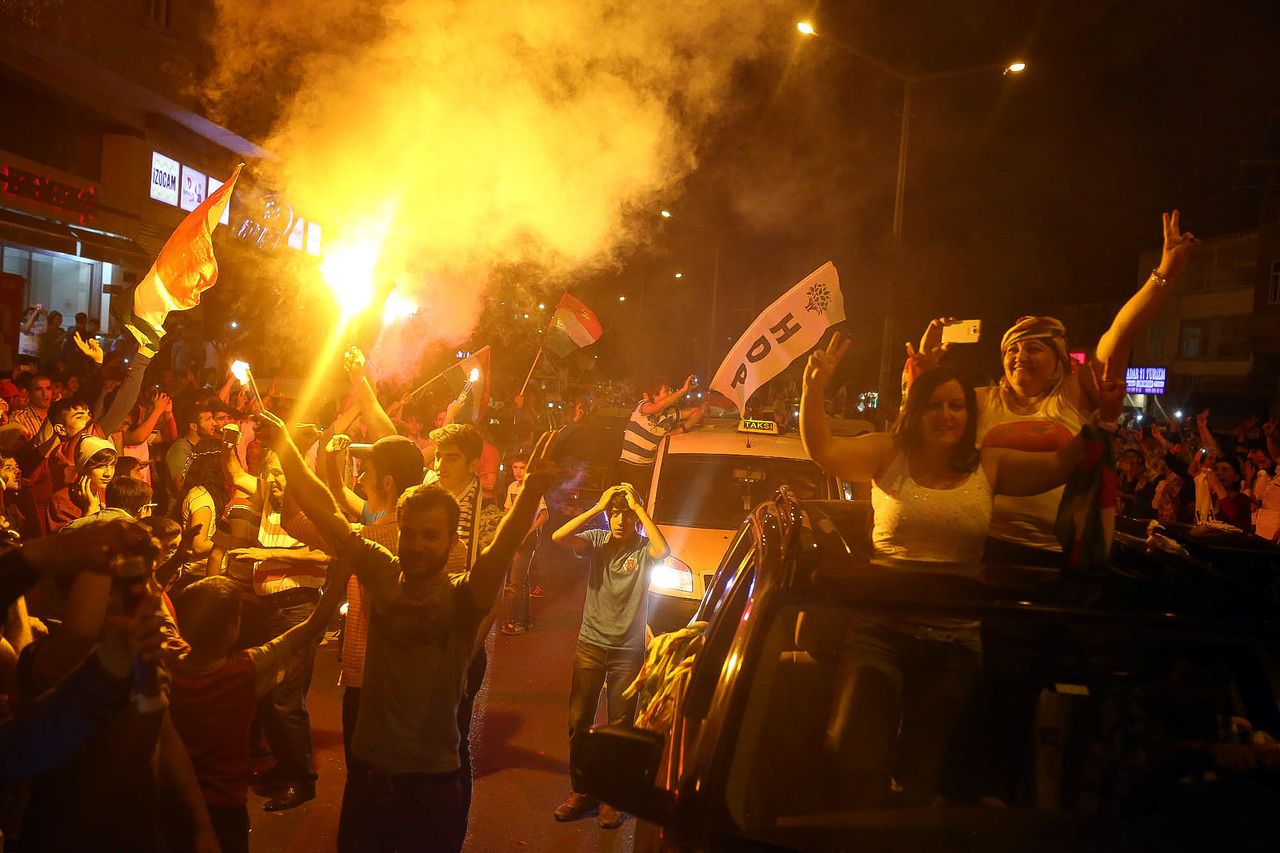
787,329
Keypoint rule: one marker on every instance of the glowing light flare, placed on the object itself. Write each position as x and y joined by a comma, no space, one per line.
1015,67
474,375
240,370
806,28
666,214
398,307
348,270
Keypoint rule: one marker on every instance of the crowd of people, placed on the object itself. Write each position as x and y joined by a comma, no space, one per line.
172,540
178,546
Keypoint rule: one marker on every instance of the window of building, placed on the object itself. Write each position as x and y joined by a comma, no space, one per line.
1193,339
1273,291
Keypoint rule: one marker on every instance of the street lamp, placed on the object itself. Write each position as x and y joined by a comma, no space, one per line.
909,81
679,275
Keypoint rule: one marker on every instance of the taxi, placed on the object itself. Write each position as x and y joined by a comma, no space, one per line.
705,482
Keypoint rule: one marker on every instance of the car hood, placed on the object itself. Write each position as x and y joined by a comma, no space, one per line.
698,547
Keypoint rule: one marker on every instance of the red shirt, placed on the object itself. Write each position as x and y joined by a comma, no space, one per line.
212,712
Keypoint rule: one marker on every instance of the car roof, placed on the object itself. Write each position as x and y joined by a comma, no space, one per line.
721,438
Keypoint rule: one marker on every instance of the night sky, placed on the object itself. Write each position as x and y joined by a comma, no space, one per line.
1023,193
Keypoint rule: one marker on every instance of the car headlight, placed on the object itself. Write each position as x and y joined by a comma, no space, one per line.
671,575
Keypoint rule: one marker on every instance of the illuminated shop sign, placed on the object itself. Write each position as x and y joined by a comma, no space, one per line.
28,186
269,222
214,183
164,178
1144,380
194,186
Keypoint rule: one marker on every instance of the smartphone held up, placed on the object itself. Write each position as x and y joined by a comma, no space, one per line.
962,332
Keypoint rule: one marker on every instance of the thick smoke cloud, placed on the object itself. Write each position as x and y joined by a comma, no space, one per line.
461,136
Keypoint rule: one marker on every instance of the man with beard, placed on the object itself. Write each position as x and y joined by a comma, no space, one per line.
404,790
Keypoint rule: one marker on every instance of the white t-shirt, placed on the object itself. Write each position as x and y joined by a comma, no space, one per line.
195,499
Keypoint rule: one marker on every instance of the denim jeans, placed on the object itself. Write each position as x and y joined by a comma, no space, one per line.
902,691
596,668
522,579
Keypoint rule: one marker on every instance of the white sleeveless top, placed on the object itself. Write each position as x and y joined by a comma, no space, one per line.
1028,520
936,525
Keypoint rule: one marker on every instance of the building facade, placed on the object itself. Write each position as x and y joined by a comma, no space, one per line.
1218,334
108,152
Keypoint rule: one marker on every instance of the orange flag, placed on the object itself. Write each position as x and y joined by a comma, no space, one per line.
183,270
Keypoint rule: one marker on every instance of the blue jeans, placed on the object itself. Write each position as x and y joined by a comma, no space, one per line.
596,668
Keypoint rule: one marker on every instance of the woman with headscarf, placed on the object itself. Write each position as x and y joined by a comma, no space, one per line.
1042,400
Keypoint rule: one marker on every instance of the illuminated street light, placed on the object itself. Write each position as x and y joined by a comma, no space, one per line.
622,299
1015,67
806,28
679,275
234,324
666,214
542,306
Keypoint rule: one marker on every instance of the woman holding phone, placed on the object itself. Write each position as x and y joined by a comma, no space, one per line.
1043,397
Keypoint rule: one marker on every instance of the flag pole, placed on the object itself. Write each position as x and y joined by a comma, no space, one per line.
531,367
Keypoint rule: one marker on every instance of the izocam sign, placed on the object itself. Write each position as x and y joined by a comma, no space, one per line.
164,178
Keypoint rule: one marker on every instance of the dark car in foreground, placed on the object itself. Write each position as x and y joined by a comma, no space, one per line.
1109,703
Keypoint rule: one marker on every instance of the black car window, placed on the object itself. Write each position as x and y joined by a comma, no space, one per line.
716,491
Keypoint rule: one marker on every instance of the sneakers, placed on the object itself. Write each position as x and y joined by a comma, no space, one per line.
514,629
574,806
610,818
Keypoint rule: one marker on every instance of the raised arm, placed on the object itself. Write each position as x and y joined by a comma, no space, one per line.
566,535
333,461
853,459
375,418
312,496
127,393
663,403
658,547
1141,309
490,568
162,405
242,479
1206,436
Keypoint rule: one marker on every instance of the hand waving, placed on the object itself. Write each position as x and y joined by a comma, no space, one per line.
542,473
1177,246
90,348
823,363
354,363
1110,396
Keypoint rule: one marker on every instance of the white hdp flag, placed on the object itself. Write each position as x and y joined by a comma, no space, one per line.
787,329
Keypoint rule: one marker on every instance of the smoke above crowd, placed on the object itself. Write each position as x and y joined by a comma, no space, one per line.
437,141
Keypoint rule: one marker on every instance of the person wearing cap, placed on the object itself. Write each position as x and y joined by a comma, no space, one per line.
1044,397
87,493
391,465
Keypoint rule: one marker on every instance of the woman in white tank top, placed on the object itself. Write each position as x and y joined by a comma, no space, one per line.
932,492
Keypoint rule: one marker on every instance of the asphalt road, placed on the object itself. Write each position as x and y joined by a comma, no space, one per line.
519,742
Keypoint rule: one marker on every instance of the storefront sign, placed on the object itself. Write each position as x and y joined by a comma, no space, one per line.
194,186
214,183
28,186
1144,380
164,178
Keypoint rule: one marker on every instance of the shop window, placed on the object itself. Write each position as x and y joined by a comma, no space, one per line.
60,283
16,261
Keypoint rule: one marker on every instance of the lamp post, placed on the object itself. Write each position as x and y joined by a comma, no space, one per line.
908,82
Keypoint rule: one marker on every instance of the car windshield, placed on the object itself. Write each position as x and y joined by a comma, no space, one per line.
717,492
850,713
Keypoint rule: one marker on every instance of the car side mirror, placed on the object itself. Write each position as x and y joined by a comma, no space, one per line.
618,765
